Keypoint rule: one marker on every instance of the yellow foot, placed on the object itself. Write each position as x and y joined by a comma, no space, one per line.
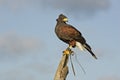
67,51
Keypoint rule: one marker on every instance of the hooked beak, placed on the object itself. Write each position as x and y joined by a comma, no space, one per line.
65,19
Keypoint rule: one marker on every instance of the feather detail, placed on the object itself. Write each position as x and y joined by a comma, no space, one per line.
85,47
88,48
80,46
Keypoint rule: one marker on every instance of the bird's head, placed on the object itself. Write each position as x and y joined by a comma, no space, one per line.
62,18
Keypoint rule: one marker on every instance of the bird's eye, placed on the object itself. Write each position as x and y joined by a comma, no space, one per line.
56,19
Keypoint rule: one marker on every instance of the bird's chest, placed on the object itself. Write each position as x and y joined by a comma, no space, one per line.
65,32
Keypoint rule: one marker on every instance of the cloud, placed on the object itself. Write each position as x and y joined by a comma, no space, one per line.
110,78
78,5
41,68
13,43
77,8
19,4
27,71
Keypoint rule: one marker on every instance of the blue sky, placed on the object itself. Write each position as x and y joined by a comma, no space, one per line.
30,50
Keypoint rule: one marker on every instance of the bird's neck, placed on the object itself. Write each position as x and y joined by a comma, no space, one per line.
60,22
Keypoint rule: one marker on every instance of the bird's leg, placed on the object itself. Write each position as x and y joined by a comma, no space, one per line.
68,50
72,44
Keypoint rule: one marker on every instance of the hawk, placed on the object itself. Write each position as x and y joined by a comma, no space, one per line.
70,35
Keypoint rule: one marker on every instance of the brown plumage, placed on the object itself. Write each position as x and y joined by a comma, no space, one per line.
70,35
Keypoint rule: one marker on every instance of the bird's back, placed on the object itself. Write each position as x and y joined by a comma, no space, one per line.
67,33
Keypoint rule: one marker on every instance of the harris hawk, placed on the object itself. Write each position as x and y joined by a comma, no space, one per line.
70,35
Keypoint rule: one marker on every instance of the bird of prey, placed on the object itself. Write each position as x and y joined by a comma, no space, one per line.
70,35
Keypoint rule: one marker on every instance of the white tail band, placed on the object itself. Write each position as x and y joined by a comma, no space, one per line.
80,46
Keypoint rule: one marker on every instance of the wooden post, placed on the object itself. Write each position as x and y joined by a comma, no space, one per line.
62,70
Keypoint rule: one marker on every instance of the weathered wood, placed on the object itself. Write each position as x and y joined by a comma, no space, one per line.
62,70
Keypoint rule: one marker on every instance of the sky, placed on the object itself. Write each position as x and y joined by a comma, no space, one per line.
30,49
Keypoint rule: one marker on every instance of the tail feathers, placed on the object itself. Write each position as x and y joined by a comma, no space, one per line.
86,46
80,46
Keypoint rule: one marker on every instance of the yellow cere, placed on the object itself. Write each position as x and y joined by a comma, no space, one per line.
65,19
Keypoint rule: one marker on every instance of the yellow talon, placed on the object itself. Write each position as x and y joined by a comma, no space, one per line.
66,52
